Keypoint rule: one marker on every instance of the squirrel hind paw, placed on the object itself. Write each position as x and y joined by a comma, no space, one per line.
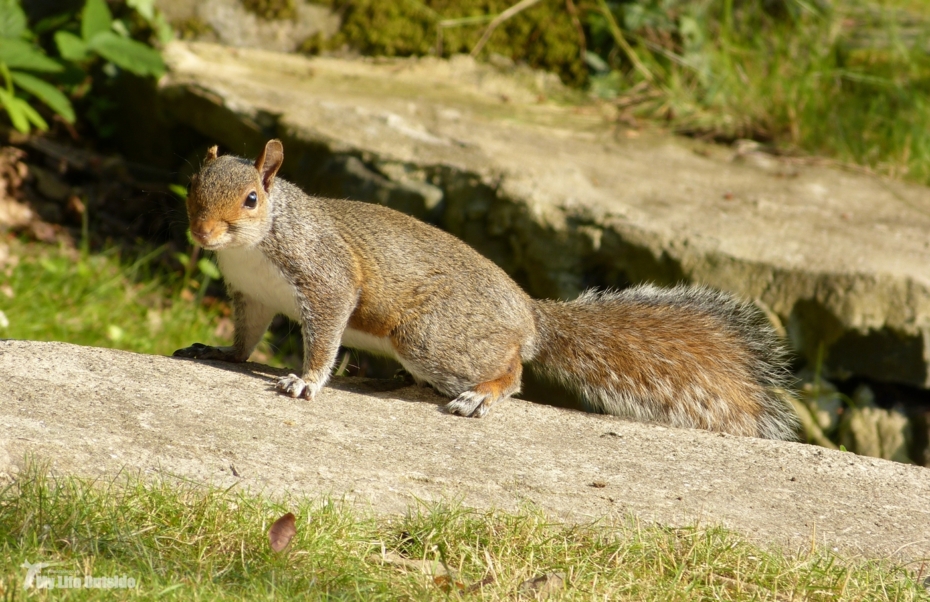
470,403
477,401
294,386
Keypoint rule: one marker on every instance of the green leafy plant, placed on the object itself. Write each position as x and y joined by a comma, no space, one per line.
110,39
20,60
80,40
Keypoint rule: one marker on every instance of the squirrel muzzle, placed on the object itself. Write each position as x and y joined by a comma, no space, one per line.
208,233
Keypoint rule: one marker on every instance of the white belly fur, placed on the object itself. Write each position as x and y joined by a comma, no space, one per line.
249,271
357,339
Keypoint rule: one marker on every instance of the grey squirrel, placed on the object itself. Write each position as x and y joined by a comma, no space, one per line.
369,277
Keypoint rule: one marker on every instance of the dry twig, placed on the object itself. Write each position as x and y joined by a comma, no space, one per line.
510,12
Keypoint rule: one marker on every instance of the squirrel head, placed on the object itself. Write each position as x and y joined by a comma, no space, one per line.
229,202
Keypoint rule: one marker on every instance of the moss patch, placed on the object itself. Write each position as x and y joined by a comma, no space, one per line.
542,36
271,10
195,29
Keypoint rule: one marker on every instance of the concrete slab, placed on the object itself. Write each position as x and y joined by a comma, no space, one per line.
95,412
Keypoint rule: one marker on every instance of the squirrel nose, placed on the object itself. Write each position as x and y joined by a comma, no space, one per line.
202,232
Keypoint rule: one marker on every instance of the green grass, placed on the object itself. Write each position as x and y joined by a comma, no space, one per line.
153,304
847,80
181,541
100,299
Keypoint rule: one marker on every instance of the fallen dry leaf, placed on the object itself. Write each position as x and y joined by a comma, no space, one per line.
282,531
488,580
443,578
447,583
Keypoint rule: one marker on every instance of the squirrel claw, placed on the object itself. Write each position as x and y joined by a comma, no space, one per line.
470,404
295,386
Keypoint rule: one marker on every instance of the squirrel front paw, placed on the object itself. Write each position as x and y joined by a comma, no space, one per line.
199,351
294,386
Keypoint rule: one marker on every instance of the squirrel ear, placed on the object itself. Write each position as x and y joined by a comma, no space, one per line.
211,154
269,162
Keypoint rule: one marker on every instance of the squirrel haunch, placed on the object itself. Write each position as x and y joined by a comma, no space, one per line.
372,278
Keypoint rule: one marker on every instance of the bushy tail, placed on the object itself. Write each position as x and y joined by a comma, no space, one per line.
683,356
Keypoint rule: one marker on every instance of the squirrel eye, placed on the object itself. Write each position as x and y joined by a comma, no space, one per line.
251,201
